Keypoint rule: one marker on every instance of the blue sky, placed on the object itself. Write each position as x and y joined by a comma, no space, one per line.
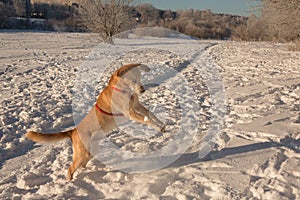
238,7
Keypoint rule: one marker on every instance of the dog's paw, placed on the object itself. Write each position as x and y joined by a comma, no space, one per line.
69,178
146,119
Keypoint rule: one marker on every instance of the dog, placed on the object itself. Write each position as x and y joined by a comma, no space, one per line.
118,99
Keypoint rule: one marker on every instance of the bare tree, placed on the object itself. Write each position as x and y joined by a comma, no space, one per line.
282,17
106,17
254,30
279,21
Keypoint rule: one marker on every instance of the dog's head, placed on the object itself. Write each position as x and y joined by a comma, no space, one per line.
128,77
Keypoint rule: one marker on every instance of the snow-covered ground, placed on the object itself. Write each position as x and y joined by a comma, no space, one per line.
257,153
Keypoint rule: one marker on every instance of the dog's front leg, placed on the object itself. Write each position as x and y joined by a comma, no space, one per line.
140,114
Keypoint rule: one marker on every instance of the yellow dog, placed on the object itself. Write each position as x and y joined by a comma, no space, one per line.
118,99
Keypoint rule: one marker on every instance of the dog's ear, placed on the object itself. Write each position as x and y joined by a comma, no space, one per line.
124,69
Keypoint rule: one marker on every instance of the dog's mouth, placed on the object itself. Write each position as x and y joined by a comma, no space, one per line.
141,89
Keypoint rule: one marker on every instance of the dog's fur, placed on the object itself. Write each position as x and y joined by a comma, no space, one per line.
121,96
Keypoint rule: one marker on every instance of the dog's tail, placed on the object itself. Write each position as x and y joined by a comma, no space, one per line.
45,138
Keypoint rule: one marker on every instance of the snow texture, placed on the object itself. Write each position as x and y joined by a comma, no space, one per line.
231,109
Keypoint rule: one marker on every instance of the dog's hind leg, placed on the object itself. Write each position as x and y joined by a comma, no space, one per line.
89,157
79,160
80,157
72,169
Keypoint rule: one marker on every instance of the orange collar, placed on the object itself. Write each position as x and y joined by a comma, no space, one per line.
118,89
112,114
106,113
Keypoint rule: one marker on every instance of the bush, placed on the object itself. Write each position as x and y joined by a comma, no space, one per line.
254,30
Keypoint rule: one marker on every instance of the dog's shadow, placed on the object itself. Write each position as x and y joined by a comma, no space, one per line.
193,158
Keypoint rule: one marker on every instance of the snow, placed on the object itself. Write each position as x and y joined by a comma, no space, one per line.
231,109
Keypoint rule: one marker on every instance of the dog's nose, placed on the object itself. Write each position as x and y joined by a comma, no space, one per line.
142,89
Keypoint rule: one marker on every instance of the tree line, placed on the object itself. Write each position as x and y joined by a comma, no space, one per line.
278,20
110,17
